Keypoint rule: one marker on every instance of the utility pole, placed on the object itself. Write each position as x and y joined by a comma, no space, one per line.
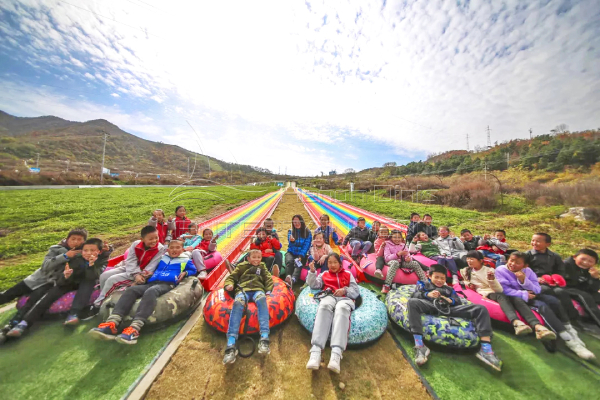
37,162
508,160
467,142
530,134
103,154
489,138
188,174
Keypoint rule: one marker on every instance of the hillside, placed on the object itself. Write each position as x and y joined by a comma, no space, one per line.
76,148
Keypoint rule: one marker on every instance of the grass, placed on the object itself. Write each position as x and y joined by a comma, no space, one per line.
33,220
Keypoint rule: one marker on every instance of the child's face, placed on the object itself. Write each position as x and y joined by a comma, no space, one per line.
333,264
151,239
324,221
318,240
539,243
474,263
181,212
515,264
90,250
427,220
397,238
255,259
384,233
376,226
444,232
296,223
160,215
468,235
269,225
422,236
262,235
500,236
193,229
438,279
74,241
175,248
361,224
207,235
415,218
584,261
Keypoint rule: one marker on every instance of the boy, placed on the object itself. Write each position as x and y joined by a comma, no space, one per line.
413,227
142,259
41,281
268,225
422,302
330,235
256,282
494,247
583,280
172,269
429,229
158,220
81,274
359,239
469,241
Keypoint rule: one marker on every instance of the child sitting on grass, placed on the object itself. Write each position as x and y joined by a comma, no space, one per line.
334,311
358,237
320,251
518,280
482,279
583,281
494,247
180,224
267,245
172,269
429,248
207,245
81,274
330,235
379,246
250,281
191,240
422,302
158,220
396,255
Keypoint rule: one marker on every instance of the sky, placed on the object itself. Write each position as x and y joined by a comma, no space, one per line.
306,87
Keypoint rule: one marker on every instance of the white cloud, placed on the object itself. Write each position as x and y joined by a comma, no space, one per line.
115,95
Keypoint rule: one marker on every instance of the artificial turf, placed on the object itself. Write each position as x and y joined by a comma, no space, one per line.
53,362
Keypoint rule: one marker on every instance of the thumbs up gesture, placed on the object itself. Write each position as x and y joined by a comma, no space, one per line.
68,271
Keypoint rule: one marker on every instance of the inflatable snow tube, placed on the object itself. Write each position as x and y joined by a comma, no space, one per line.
219,303
402,278
180,302
421,259
454,332
347,265
212,260
63,304
367,322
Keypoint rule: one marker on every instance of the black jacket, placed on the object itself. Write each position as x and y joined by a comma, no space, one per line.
82,270
472,244
357,234
425,287
547,263
579,278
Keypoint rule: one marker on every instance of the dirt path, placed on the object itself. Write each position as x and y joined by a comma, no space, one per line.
196,370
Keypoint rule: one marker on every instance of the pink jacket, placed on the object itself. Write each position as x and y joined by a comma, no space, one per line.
391,250
377,246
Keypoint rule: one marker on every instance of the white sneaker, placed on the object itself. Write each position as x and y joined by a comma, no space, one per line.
334,362
202,275
574,334
581,351
378,274
454,280
315,360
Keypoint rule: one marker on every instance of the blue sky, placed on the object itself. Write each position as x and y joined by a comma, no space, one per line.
311,86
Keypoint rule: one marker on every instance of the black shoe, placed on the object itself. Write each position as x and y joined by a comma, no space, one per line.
90,313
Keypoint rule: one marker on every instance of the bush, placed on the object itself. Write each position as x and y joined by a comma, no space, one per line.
582,194
478,194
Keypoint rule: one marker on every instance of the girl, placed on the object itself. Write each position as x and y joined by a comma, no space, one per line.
180,224
518,280
374,233
267,245
334,311
482,279
207,245
379,245
450,246
299,239
330,236
396,256
158,220
319,251
429,248
192,239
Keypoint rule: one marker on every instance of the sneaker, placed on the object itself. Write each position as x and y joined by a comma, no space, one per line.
581,351
91,313
385,289
230,355
454,280
490,359
202,275
71,320
334,362
230,266
275,270
289,281
128,336
18,330
522,329
544,333
314,362
263,346
378,274
574,334
104,331
421,355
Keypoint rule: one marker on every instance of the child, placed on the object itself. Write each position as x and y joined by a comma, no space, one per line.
142,259
43,279
373,234
207,245
320,251
429,248
413,227
469,241
379,245
191,240
251,281
180,224
482,279
81,274
358,237
422,302
268,245
494,247
429,229
334,311
520,281
174,266
450,246
396,256
158,220
583,280
330,235
268,225
299,240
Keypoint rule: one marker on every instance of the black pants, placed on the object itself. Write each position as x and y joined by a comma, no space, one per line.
510,305
149,294
20,289
269,261
588,302
565,300
290,265
81,300
550,308
380,263
474,312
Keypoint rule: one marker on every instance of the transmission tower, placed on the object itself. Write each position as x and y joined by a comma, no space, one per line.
489,138
467,142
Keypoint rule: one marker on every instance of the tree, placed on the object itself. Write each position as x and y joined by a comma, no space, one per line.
389,164
349,171
562,128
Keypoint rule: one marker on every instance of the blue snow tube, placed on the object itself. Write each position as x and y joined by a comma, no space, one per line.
367,322
451,332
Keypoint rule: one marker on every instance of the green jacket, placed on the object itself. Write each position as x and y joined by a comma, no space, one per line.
429,248
250,278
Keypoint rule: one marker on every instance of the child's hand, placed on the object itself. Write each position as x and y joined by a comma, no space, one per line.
531,296
322,259
521,276
490,275
486,236
434,294
403,253
407,259
229,288
68,271
415,239
495,248
105,247
471,286
189,248
595,273
292,238
340,292
170,218
447,300
92,259
72,253
383,244
181,276
139,279
312,266
214,239
462,238
269,251
541,281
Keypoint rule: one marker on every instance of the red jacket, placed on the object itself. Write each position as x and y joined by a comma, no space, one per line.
145,256
335,281
179,226
274,245
207,246
162,229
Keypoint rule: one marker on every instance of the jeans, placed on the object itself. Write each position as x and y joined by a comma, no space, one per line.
149,293
550,309
510,305
449,263
496,257
359,247
237,311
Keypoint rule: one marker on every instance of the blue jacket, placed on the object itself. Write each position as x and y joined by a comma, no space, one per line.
423,288
329,234
300,246
168,269
192,241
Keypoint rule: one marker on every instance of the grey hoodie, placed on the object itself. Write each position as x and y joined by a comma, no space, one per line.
451,247
51,270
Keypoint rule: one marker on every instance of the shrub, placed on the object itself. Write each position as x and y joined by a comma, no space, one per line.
478,194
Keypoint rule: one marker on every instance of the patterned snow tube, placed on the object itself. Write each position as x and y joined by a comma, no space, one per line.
63,304
460,333
180,302
212,260
367,323
218,308
401,278
347,265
